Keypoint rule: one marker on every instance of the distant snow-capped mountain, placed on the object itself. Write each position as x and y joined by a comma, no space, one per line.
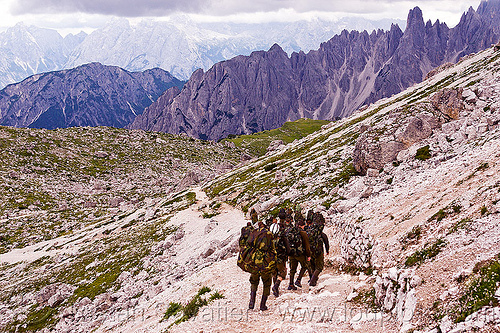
179,46
27,50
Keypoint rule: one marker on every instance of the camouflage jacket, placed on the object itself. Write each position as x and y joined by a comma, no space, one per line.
259,255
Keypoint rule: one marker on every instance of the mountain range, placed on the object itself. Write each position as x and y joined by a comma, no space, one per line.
248,94
179,46
88,95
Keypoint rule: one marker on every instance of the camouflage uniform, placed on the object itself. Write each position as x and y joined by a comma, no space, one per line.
318,239
259,259
282,249
302,259
245,233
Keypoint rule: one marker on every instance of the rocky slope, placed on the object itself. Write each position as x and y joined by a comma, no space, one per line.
57,182
89,95
410,192
262,91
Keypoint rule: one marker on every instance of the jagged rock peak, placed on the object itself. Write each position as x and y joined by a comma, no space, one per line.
415,17
260,92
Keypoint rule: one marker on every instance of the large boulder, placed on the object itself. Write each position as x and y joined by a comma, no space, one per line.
417,130
370,153
449,102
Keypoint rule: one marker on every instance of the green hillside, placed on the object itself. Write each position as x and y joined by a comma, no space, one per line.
256,144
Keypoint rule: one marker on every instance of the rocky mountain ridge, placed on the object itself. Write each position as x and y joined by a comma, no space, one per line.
262,91
179,46
415,238
89,95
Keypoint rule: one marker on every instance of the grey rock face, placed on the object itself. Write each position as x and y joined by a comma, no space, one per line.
90,95
262,91
449,102
370,153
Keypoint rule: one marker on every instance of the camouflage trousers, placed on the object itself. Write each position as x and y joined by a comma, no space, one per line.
294,263
266,281
281,268
318,262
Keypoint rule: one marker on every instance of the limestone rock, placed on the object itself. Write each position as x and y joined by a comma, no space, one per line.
449,102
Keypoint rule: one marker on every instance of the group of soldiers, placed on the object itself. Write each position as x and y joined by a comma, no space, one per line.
265,248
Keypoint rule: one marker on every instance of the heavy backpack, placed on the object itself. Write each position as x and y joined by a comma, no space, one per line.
295,241
318,219
315,240
258,256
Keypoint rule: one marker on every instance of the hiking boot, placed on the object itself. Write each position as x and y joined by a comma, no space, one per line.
314,279
291,286
263,301
298,284
251,304
276,288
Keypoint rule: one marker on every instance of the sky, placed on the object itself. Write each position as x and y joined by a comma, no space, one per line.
75,15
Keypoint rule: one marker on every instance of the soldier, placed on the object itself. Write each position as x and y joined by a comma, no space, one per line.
245,232
300,251
317,239
282,250
259,259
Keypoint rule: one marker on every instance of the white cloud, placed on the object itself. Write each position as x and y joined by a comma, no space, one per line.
74,15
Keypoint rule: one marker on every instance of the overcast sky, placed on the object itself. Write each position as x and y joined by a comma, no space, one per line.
75,15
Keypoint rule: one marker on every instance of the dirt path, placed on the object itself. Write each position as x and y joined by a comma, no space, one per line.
317,309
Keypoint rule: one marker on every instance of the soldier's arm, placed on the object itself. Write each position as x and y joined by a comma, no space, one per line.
305,242
325,241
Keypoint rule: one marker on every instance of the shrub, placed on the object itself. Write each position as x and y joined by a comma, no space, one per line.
192,308
172,310
481,289
423,153
270,167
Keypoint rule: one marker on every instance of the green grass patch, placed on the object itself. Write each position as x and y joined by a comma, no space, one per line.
270,167
37,319
428,252
462,224
423,153
480,288
192,307
173,309
256,144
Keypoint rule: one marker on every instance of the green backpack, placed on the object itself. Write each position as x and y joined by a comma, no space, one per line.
315,240
295,241
280,244
245,232
259,255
